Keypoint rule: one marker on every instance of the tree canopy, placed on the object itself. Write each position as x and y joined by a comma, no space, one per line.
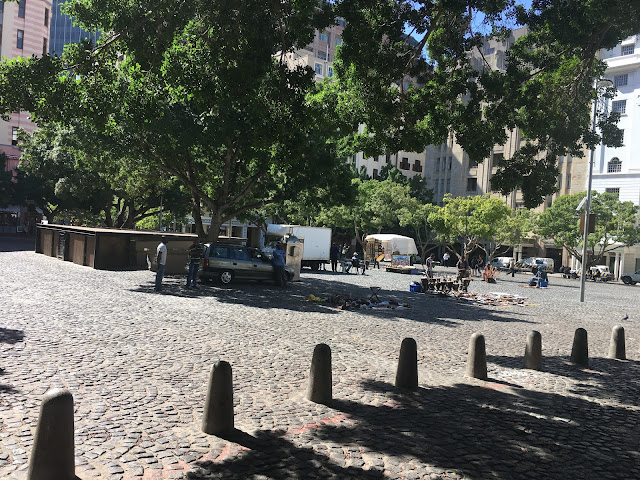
406,71
616,225
200,92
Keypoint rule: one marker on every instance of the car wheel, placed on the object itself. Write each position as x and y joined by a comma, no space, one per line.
315,266
626,280
225,277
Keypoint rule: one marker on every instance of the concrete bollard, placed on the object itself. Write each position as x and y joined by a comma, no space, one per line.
52,455
218,407
477,359
320,388
616,346
580,349
533,351
407,373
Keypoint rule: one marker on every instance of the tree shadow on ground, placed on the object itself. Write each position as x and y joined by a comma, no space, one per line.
487,431
271,455
17,244
604,379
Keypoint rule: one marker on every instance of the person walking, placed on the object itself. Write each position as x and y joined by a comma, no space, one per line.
279,261
161,261
463,267
430,260
334,255
195,255
445,259
512,267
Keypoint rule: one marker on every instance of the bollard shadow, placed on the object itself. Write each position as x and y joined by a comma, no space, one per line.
482,432
604,378
11,336
271,455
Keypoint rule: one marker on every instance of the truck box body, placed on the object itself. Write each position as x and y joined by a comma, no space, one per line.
316,240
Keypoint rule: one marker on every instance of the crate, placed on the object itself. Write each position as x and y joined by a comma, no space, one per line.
415,288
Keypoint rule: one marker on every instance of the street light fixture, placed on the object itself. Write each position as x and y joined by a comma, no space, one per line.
601,83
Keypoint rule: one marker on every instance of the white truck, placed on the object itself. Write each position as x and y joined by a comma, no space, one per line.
316,242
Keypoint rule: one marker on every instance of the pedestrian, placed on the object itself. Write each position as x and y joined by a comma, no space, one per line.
430,260
195,255
479,265
445,259
161,261
512,267
463,268
279,260
334,255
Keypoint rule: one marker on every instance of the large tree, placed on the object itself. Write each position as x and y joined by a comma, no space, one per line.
406,71
199,91
477,222
616,225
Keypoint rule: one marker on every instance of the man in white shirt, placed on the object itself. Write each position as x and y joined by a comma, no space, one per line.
161,261
445,259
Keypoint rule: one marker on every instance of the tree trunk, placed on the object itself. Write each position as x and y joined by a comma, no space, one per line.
196,213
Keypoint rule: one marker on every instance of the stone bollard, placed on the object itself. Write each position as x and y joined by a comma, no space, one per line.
533,351
616,346
580,349
477,359
320,380
218,408
52,454
407,373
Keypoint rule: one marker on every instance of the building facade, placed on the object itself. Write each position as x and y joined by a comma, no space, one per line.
63,31
24,32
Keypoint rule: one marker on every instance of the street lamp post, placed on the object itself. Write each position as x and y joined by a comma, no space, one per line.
587,209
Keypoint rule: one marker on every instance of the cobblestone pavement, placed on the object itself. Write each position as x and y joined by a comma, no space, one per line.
137,364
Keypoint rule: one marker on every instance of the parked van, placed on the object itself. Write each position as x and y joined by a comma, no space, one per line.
547,264
501,263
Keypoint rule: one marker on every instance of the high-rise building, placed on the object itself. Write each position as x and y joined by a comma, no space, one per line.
24,32
63,31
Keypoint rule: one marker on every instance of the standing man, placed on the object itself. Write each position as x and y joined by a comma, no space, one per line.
279,260
445,259
334,255
512,267
430,260
195,254
161,261
463,267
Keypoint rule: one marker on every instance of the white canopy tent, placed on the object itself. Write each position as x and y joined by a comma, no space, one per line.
394,243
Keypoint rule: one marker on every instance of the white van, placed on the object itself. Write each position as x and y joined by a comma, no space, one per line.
501,263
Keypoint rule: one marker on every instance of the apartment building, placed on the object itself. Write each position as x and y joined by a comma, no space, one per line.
24,31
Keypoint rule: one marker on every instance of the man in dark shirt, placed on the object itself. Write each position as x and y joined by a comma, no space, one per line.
463,267
279,260
195,254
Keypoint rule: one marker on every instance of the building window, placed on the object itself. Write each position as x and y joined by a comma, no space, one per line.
472,184
20,40
376,158
337,41
497,159
341,22
329,71
615,191
309,47
614,165
388,158
627,50
322,55
21,7
404,165
318,68
375,173
619,106
621,80
442,186
559,181
568,181
438,164
46,17
14,135
417,167
324,37
449,163
448,185
44,46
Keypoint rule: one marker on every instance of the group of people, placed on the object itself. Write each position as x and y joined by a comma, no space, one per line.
335,253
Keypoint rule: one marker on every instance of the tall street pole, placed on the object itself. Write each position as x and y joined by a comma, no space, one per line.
587,210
